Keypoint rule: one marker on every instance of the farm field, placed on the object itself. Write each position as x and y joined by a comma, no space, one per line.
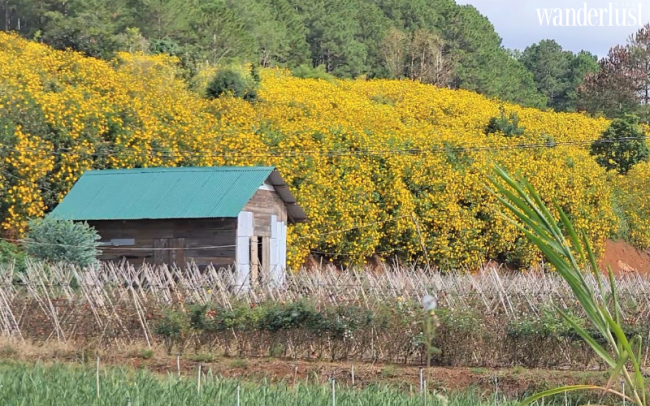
488,320
81,384
500,339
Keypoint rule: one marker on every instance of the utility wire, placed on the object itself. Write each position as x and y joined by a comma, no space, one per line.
23,241
103,247
333,153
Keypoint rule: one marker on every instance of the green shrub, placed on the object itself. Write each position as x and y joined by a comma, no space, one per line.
342,322
12,254
507,125
621,146
239,363
145,354
63,33
174,328
309,72
57,240
202,357
229,81
165,46
290,316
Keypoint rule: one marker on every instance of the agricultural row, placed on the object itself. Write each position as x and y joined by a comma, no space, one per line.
75,385
397,165
487,320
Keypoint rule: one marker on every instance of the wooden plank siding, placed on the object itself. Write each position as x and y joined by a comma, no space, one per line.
263,205
187,236
169,241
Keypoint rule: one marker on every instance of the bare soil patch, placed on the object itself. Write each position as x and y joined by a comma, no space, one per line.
625,258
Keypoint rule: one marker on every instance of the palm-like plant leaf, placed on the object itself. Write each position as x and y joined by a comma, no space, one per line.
529,213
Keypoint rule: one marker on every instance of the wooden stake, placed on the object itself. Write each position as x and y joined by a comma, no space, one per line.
424,247
425,393
352,374
178,364
198,382
97,376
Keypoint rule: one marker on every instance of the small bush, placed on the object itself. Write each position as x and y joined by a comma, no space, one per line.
11,254
165,46
309,72
239,363
621,146
146,354
57,240
290,316
174,328
206,358
228,81
507,125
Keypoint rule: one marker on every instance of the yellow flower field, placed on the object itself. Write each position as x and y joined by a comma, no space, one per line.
372,162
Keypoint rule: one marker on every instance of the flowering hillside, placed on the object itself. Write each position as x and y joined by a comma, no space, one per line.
385,167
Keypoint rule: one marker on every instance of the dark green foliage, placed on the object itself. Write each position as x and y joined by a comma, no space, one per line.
98,45
346,328
308,72
450,45
558,73
457,156
255,74
58,240
481,62
290,316
11,254
506,125
174,328
165,46
622,145
228,81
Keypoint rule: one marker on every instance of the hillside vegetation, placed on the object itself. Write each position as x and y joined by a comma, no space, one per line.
381,166
439,41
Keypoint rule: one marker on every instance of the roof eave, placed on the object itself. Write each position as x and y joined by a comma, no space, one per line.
295,213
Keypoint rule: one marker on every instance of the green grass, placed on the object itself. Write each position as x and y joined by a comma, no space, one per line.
239,363
68,385
389,371
201,357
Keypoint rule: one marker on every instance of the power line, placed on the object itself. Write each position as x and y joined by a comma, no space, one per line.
18,177
22,241
332,153
101,247
353,228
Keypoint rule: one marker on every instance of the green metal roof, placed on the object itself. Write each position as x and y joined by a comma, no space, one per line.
166,193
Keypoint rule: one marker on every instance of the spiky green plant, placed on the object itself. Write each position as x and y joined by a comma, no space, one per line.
525,209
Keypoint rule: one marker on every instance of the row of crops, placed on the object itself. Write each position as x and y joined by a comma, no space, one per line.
59,384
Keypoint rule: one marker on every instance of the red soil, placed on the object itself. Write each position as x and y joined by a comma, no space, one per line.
624,258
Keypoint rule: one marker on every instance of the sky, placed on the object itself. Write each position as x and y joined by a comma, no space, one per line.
518,21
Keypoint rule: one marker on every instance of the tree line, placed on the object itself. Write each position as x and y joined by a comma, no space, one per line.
437,42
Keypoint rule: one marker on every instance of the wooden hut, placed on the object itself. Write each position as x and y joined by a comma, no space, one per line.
222,216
